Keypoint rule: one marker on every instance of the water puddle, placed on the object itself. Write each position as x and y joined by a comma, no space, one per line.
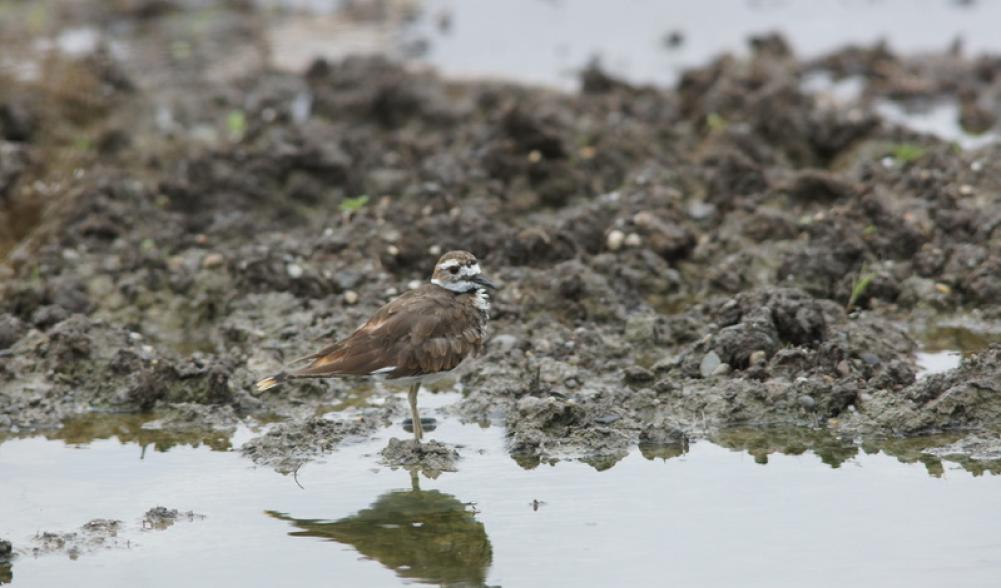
946,341
940,119
875,515
652,41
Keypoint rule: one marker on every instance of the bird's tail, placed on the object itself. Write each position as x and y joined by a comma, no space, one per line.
271,382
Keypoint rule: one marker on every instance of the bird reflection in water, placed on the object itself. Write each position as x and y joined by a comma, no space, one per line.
422,535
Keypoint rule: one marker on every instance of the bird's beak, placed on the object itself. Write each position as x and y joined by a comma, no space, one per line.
484,281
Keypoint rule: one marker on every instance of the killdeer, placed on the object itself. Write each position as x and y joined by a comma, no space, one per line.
414,339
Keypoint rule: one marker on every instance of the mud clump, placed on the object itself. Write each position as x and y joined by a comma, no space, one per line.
558,428
161,517
96,535
429,457
6,557
965,398
735,250
287,446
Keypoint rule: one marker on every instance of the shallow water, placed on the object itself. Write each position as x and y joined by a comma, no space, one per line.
947,340
556,37
821,513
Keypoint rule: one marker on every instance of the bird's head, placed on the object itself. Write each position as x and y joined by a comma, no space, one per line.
459,271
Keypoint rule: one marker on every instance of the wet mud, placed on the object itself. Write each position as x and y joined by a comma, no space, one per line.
737,250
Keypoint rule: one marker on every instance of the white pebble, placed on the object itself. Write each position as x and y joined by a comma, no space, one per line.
294,270
393,250
413,284
633,240
614,240
350,297
434,250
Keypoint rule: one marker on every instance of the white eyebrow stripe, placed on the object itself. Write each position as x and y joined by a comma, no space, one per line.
472,270
449,263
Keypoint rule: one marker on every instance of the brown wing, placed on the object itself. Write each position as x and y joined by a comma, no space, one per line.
424,331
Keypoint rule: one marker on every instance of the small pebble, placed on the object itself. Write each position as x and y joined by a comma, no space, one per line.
757,357
615,240
393,250
870,358
807,402
709,363
504,342
413,284
294,270
633,240
213,260
392,292
350,297
722,369
434,250
844,368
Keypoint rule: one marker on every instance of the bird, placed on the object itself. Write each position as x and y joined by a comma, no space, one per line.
414,339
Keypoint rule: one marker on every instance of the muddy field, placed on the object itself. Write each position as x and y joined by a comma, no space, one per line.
744,249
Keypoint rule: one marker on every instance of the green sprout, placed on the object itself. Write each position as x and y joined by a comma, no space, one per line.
236,122
907,152
858,290
716,123
354,204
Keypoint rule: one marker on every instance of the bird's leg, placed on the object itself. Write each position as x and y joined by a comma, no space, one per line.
416,418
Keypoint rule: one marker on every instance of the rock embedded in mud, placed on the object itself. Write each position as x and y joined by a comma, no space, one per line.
6,550
709,364
615,240
213,260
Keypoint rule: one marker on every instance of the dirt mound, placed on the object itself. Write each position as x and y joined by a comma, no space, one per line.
735,250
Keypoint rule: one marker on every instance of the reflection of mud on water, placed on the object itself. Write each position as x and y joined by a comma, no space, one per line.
6,554
142,430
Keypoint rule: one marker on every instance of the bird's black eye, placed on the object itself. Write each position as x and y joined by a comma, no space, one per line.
454,269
